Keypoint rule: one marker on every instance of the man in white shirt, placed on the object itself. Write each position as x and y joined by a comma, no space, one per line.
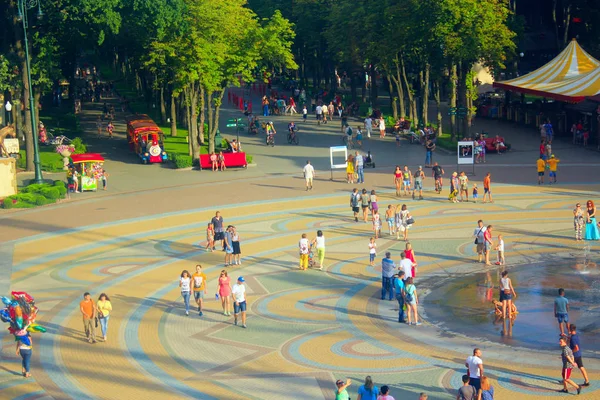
474,366
479,240
406,266
369,126
309,174
359,167
238,291
319,112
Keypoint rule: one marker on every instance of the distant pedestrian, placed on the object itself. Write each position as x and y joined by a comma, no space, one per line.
359,164
487,243
507,292
437,172
389,218
365,199
406,180
25,351
224,292
405,223
412,301
575,346
466,391
210,237
376,224
475,193
368,391
568,362
350,169
199,282
487,390
591,228
319,244
541,168
309,174
429,149
385,390
387,274
88,311
104,177
463,180
235,244
487,187
304,113
398,179
109,128
561,311
228,241
478,234
381,127
454,186
410,254
474,366
104,308
418,183
406,265
217,222
500,249
372,251
239,301
341,393
552,164
369,126
185,282
373,205
578,222
354,203
304,249
399,287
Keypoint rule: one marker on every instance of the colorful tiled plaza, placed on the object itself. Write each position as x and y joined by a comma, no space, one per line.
305,328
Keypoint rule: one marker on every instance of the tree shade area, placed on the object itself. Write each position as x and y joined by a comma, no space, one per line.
185,53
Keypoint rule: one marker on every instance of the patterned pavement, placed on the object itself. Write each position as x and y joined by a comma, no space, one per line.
305,328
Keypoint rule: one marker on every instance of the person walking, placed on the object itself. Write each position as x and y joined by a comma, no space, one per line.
354,203
398,179
578,222
412,301
381,127
319,243
463,180
227,240
376,223
25,351
368,391
304,249
224,292
478,234
418,183
373,203
199,281
235,244
369,126
239,301
104,308
406,180
372,251
217,223
487,244
507,292
487,187
429,149
437,172
309,174
385,394
389,218
591,227
487,390
405,223
567,366
552,164
399,287
185,281
561,311
541,167
359,163
474,366
575,346
454,186
88,311
387,273
410,254
466,391
365,199
350,169
341,392
406,266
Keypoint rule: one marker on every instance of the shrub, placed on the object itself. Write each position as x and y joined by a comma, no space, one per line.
80,148
182,161
62,191
249,159
50,193
60,183
8,202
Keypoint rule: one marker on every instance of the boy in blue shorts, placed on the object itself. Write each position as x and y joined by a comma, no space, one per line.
561,311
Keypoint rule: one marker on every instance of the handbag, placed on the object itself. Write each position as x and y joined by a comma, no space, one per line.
96,320
477,235
410,221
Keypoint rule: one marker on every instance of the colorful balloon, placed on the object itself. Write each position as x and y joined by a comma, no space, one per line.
5,316
36,328
6,301
24,295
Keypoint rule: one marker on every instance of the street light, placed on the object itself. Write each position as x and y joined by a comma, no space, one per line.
23,6
8,108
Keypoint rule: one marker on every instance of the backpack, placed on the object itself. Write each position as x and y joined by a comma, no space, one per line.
354,199
409,296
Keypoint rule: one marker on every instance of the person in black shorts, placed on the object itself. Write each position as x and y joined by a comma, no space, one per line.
217,222
355,199
576,348
437,173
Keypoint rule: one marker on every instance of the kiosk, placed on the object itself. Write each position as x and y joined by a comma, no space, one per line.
88,167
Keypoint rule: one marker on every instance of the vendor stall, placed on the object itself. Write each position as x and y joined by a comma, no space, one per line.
89,168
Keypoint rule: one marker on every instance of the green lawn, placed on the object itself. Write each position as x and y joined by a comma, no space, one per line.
50,160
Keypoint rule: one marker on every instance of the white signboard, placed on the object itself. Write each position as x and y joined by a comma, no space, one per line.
11,145
465,153
339,150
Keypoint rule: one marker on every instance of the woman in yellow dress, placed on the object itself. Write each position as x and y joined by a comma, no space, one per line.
350,168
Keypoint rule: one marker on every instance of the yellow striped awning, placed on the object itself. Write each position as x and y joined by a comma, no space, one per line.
571,76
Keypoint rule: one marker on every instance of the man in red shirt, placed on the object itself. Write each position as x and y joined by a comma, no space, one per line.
487,189
543,150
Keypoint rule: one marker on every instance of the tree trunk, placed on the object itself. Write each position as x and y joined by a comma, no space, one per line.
438,96
373,76
425,94
409,90
453,84
399,88
163,107
393,98
37,94
193,131
202,106
211,123
566,23
555,20
173,116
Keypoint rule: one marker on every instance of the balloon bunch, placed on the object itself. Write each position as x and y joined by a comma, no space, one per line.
20,312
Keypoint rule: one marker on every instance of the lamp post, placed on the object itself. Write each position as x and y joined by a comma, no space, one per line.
24,6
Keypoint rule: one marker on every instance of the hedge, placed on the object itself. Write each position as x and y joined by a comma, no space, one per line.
36,195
